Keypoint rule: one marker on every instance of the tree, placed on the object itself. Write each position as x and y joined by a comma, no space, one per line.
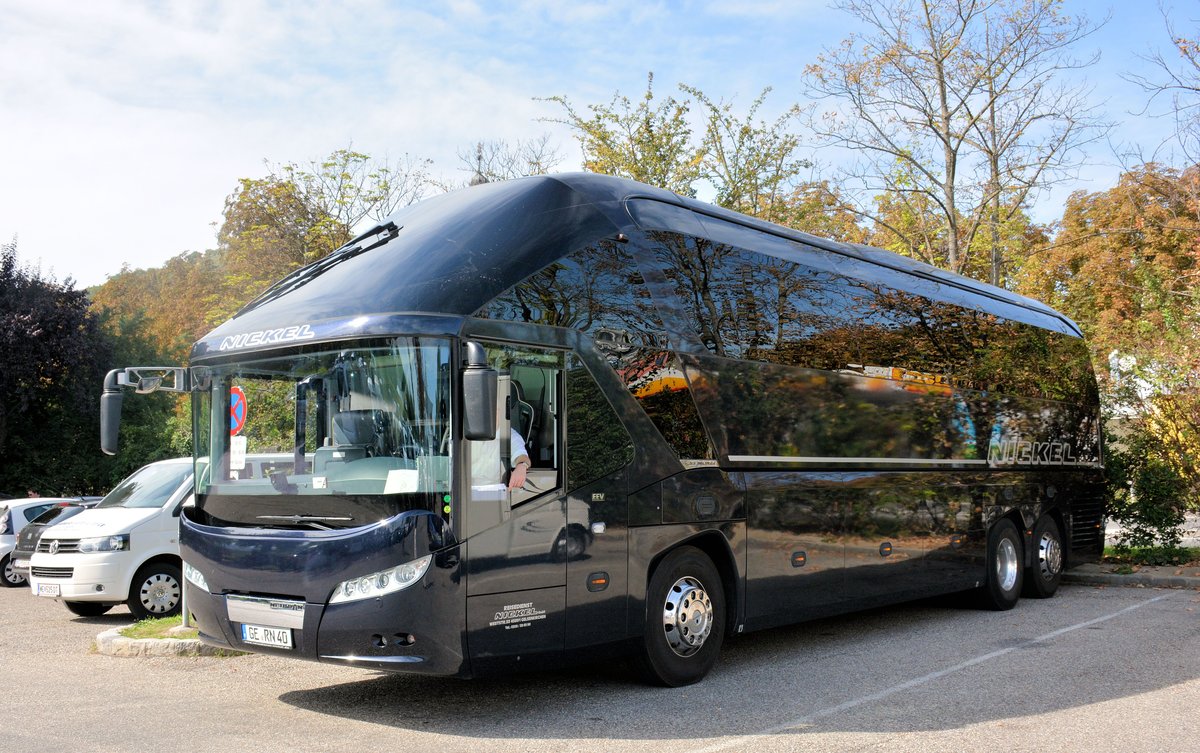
649,142
1125,266
753,166
491,161
166,305
819,208
1125,263
54,356
1177,79
956,110
299,214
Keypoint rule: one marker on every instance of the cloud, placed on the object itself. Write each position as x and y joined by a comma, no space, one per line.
125,124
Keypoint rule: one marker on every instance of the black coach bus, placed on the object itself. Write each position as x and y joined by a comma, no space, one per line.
721,425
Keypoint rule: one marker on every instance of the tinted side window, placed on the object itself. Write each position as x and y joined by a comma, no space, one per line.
597,443
736,303
600,290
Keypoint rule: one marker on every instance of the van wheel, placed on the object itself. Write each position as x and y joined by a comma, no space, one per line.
685,619
1042,580
155,591
87,608
1004,571
11,579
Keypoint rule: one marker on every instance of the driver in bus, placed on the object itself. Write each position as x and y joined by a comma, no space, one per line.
520,461
487,470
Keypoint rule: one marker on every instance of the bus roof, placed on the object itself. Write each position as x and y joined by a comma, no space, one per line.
449,255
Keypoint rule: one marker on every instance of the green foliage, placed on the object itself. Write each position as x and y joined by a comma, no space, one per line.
1123,266
294,215
298,214
1128,556
649,141
752,165
1147,496
55,354
157,627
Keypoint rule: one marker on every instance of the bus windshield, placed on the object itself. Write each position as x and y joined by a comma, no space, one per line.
332,437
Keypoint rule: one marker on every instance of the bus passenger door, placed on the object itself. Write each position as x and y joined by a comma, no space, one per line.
596,545
515,571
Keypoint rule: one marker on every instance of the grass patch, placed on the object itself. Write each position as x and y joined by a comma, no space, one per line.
157,627
1151,555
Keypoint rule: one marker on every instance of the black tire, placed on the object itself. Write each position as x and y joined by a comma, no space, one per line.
10,579
156,591
685,619
1005,571
1046,573
87,608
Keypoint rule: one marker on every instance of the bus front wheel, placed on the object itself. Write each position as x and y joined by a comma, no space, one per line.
685,619
1005,572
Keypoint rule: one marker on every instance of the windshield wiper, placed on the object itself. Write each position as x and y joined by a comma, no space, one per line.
352,248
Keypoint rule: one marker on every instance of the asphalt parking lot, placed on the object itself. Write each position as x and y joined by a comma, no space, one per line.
1097,669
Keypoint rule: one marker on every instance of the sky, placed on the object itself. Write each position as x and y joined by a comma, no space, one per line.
124,125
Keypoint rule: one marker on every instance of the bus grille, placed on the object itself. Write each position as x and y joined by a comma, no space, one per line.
52,572
1087,525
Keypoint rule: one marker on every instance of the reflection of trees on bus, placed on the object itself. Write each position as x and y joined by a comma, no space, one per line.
832,365
914,360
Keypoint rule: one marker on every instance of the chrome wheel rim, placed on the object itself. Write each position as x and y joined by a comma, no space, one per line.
159,593
1006,565
687,616
1050,556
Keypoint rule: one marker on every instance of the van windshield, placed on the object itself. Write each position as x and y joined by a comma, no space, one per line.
149,486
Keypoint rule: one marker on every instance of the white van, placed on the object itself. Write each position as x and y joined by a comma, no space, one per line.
126,549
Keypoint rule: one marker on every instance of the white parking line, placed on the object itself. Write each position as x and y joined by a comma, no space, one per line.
742,742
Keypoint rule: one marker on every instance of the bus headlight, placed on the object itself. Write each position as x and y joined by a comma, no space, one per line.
195,577
381,583
105,544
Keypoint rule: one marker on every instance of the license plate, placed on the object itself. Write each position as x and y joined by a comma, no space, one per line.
21,564
267,636
49,589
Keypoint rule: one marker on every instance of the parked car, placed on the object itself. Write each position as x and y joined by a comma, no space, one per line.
28,538
15,514
125,549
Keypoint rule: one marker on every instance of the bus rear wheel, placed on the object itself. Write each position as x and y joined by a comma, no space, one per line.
1004,569
1043,578
685,619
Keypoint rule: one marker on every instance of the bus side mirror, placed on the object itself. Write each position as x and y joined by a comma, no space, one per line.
110,413
480,386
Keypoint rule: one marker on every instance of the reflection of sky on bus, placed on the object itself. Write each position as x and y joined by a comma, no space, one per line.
147,114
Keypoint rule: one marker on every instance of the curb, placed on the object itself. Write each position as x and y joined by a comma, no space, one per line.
112,643
1094,576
